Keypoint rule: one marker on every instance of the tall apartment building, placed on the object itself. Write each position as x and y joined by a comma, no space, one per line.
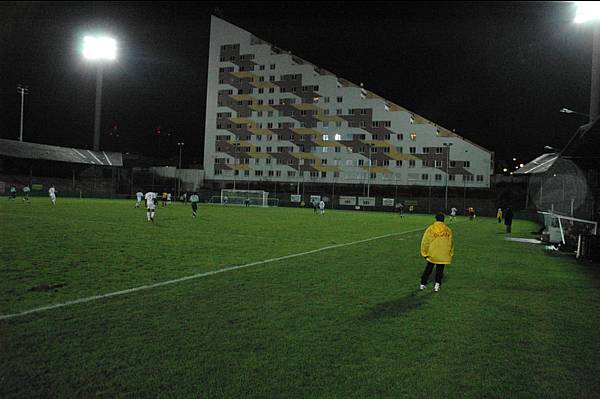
272,116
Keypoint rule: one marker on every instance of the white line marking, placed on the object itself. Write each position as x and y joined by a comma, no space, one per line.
80,154
106,156
95,157
178,280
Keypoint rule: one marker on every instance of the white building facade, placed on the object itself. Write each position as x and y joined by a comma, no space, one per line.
272,116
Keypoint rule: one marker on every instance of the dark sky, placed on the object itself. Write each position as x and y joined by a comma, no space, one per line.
496,72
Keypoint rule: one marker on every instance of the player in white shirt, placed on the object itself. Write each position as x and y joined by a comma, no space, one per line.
453,214
26,191
139,196
52,193
322,207
150,205
194,199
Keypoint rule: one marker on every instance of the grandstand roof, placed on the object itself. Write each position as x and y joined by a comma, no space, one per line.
539,165
19,149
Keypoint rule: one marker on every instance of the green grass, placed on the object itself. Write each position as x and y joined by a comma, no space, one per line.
511,321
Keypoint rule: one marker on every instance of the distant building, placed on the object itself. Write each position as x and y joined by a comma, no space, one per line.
272,116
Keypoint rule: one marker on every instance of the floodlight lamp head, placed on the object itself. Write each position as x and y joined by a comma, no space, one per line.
99,48
587,11
566,111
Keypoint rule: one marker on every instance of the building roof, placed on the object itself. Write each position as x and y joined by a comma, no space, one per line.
19,149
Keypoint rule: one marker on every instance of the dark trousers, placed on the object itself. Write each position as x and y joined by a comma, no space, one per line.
439,273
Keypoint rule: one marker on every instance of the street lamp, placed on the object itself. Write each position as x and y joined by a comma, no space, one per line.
589,11
22,90
99,49
369,175
180,145
448,145
570,111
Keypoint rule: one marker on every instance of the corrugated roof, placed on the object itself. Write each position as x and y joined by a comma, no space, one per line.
19,149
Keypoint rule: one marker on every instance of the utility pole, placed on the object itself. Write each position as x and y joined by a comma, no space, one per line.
22,90
180,145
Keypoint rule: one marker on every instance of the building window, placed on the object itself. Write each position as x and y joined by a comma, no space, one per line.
398,163
272,66
400,136
325,137
425,150
438,164
452,177
439,150
425,163
413,150
438,177
425,176
479,177
468,164
412,163
340,99
452,164
291,173
326,100
399,150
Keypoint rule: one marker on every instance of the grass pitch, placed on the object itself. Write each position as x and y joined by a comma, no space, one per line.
510,321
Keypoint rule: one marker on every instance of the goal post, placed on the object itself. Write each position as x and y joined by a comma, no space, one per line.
240,197
566,230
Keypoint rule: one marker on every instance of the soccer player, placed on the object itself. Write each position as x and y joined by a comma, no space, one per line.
150,205
26,191
164,198
400,207
139,196
453,214
13,193
437,247
194,201
52,193
169,199
499,215
322,207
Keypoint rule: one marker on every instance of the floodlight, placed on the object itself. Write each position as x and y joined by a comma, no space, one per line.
99,48
587,11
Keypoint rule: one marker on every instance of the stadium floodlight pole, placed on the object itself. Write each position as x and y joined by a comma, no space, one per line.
180,145
22,90
99,49
448,145
589,11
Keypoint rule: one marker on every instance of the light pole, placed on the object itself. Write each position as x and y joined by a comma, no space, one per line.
22,90
570,111
99,49
447,145
589,11
180,145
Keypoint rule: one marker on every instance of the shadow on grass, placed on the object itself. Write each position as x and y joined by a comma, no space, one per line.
398,307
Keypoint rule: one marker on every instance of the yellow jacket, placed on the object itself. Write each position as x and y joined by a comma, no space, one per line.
499,214
437,244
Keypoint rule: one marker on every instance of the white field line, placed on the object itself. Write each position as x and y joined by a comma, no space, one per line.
194,276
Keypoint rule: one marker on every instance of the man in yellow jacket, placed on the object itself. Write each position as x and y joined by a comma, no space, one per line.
437,246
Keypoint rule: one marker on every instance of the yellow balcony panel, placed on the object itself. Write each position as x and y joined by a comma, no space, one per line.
260,132
259,155
377,143
241,121
243,97
304,107
329,118
306,131
240,166
401,157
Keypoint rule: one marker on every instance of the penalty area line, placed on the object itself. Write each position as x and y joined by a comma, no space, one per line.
195,276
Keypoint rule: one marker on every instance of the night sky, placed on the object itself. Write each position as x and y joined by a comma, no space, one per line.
495,72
